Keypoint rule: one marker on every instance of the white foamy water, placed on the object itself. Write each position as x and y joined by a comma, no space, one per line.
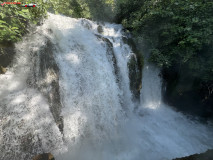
99,122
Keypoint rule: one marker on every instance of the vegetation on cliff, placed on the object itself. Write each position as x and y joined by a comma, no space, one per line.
16,21
180,34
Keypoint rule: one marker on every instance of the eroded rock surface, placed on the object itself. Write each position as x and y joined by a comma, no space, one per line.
46,78
208,155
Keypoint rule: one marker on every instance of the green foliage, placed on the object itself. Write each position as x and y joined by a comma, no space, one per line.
91,9
14,20
180,32
101,9
73,8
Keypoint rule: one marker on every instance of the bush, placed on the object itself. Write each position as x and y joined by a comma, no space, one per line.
180,32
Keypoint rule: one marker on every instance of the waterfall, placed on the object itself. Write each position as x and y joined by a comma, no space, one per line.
68,93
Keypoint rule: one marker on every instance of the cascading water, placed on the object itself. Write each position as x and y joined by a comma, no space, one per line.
68,93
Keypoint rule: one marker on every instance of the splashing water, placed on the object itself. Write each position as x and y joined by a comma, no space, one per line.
98,118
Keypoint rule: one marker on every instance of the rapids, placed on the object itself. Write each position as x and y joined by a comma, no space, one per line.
68,93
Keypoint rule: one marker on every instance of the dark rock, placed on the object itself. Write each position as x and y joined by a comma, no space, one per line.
7,53
44,156
2,70
135,65
100,29
45,77
203,156
135,68
135,77
86,24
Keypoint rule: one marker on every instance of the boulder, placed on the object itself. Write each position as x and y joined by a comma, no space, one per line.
2,70
100,29
44,156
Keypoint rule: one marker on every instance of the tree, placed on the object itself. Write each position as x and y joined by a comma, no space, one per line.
15,19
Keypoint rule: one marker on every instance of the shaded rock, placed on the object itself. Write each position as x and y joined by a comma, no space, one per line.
2,70
187,94
7,53
135,76
208,155
135,65
86,24
45,156
100,29
45,77
189,90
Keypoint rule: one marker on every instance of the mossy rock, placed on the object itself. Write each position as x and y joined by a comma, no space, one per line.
44,156
2,70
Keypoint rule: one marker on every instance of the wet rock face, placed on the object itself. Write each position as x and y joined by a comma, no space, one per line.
45,156
110,55
100,29
135,77
2,70
203,156
86,24
135,65
45,77
6,56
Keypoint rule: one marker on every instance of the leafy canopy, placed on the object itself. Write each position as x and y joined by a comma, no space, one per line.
180,31
15,19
